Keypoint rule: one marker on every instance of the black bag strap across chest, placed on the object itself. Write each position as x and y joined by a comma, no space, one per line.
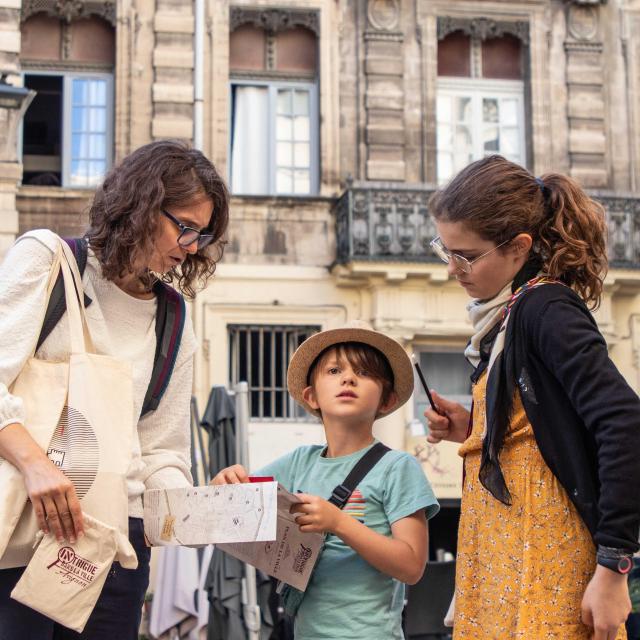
341,494
170,318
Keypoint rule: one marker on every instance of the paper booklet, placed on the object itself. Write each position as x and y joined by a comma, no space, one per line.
249,521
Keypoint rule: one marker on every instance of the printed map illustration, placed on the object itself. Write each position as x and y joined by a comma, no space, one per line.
212,514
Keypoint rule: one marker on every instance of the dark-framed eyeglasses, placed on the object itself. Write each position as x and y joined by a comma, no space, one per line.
462,263
189,235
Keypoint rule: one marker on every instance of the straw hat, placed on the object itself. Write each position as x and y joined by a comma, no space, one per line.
356,331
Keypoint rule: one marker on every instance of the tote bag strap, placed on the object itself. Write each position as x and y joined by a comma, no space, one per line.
79,334
57,305
51,283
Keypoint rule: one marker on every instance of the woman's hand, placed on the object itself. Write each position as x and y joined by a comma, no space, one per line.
317,515
52,494
235,474
451,423
606,603
54,500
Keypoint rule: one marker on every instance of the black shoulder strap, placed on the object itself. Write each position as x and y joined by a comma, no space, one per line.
170,318
342,492
57,302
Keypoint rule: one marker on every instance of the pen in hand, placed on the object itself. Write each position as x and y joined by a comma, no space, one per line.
424,384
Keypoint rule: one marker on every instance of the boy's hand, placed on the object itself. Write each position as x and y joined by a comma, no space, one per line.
317,515
231,475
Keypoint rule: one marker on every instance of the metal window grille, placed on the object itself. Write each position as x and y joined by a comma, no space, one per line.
259,355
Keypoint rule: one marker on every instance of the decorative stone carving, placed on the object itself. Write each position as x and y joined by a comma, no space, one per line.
483,28
69,10
384,36
588,132
384,15
274,20
582,21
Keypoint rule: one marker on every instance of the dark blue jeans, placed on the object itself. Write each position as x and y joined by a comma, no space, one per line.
115,617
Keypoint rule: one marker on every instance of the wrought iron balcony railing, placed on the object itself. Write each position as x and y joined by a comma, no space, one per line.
385,222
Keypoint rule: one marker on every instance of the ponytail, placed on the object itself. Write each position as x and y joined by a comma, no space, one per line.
571,241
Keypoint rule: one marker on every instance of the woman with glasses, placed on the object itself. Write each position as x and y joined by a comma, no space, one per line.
551,496
159,215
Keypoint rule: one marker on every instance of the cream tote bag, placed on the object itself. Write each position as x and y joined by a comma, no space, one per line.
79,412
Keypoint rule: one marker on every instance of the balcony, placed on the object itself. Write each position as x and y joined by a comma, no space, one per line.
383,222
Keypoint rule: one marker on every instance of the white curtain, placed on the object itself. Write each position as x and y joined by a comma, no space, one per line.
249,150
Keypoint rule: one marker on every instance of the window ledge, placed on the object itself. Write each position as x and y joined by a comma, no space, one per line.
282,199
36,191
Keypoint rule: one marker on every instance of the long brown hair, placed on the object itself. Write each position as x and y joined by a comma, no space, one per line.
499,199
125,211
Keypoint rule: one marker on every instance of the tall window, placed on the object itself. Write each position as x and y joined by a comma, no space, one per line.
480,101
68,129
259,355
274,110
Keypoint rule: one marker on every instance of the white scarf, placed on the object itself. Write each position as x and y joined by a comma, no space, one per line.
484,314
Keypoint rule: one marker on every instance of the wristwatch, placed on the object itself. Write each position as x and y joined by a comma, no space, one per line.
618,560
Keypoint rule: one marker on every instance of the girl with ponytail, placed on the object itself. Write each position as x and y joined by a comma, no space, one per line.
551,497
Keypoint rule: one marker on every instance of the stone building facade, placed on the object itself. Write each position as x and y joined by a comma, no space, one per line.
334,120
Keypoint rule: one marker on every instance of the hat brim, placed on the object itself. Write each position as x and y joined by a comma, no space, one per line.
313,346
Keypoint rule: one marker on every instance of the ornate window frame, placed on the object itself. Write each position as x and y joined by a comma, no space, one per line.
528,23
69,10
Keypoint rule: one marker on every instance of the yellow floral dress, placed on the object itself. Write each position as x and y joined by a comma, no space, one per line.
521,569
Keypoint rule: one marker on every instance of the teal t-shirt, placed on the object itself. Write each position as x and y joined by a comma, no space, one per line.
346,596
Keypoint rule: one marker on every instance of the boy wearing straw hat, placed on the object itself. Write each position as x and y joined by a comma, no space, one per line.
349,377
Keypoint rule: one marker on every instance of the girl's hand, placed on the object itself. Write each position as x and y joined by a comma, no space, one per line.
235,474
317,515
606,604
450,424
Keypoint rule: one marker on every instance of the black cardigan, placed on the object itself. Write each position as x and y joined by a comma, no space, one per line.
585,417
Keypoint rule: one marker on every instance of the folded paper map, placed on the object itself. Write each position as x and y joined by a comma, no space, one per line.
249,521
211,514
291,557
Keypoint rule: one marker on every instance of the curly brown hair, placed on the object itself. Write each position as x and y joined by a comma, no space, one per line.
499,199
124,215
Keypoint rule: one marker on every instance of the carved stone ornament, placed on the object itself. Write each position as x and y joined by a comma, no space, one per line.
483,28
582,21
69,10
274,20
384,15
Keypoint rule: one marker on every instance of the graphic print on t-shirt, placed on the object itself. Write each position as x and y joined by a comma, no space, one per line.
356,505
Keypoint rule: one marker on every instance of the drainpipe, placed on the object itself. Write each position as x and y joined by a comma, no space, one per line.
198,143
198,76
